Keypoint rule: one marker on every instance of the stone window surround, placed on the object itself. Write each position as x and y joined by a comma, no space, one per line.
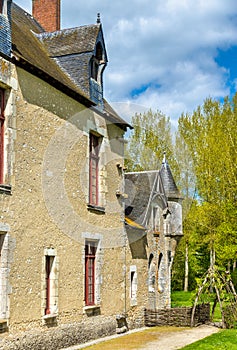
5,288
100,207
96,238
133,285
10,85
50,318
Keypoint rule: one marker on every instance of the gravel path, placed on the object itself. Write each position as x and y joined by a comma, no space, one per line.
167,340
177,340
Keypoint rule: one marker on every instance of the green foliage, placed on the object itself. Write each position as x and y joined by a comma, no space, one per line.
203,157
211,138
151,137
180,298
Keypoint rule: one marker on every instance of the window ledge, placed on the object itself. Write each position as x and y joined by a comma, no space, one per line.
92,310
133,302
3,326
6,189
96,208
50,320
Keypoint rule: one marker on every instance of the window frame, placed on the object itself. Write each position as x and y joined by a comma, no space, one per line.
49,262
2,121
96,62
90,271
49,285
94,159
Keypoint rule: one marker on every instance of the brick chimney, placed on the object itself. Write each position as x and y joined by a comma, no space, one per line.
47,13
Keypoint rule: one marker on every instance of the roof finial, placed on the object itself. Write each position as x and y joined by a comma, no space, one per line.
98,18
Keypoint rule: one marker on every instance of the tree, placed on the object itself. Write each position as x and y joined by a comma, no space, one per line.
151,137
210,133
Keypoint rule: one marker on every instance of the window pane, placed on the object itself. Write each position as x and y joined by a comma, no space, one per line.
94,163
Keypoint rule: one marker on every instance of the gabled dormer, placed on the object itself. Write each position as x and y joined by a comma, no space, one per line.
80,52
97,65
5,27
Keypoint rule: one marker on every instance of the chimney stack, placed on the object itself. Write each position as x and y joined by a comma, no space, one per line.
47,13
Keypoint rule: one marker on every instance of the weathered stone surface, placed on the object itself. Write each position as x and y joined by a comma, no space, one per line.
179,317
61,337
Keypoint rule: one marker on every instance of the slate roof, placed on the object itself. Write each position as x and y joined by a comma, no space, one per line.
26,46
145,187
34,54
75,40
170,187
142,188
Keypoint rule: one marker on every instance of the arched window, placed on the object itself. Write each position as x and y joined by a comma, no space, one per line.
161,277
151,273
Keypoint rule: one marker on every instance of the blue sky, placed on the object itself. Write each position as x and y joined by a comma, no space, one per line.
168,56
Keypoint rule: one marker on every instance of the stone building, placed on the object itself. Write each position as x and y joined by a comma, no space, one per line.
153,222
66,256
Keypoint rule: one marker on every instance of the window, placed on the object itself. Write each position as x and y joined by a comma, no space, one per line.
2,279
50,283
94,170
6,247
48,276
133,285
151,274
1,5
155,219
161,274
95,62
2,105
90,254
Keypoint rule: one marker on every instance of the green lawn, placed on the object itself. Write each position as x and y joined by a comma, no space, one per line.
223,340
181,298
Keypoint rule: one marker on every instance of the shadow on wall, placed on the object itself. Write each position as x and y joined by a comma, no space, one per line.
137,243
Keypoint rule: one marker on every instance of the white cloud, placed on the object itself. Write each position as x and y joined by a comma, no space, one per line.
161,54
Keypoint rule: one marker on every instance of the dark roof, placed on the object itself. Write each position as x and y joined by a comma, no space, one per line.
171,189
32,54
26,46
75,40
143,188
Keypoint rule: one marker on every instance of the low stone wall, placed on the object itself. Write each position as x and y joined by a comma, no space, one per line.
62,336
180,316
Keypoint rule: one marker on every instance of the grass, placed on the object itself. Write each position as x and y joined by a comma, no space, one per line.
181,298
223,340
135,340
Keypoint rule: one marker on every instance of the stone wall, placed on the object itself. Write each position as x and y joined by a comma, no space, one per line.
180,316
61,337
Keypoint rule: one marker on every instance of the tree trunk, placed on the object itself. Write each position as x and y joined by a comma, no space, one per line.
212,257
186,269
228,266
212,264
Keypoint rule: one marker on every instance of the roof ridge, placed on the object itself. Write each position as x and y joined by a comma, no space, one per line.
45,35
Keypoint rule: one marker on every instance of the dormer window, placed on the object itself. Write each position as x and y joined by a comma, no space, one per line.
96,62
96,67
